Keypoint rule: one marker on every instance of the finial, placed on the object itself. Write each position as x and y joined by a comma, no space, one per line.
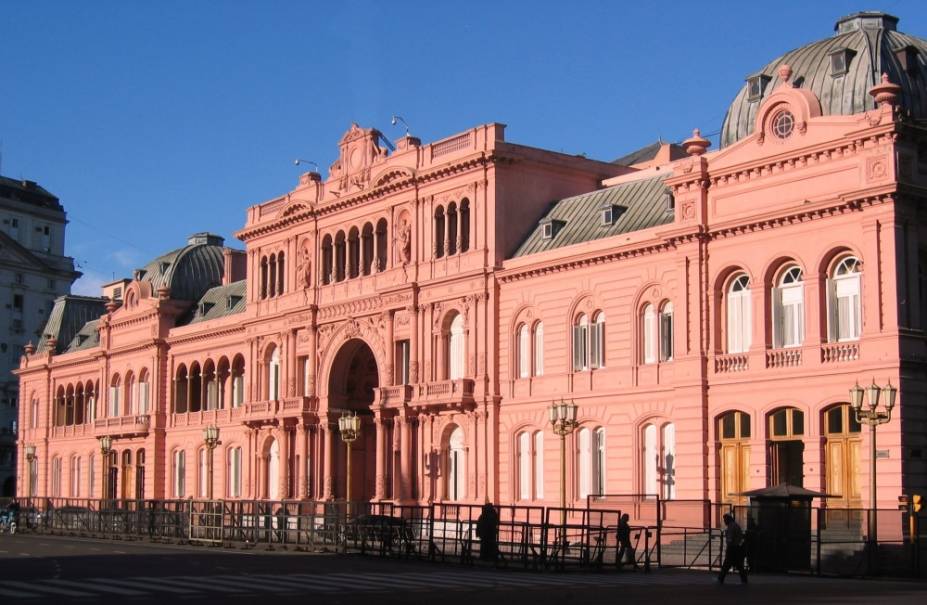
696,145
29,349
785,74
886,92
51,345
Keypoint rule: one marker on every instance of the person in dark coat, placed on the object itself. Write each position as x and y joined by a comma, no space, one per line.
734,551
487,530
625,548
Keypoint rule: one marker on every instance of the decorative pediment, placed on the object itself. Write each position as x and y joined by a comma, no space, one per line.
393,175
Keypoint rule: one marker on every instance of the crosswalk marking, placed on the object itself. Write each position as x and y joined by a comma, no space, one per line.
43,587
295,583
147,585
111,589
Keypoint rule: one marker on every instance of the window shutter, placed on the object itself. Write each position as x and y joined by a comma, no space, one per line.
594,346
577,348
831,311
666,337
746,325
539,350
143,401
778,323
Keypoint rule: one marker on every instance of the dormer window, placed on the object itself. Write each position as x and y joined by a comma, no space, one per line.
670,201
163,267
206,307
550,227
756,86
907,58
840,61
231,301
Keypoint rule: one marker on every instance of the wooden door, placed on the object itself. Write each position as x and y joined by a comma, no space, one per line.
841,456
734,457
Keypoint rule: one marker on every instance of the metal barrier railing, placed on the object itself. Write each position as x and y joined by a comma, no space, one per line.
525,537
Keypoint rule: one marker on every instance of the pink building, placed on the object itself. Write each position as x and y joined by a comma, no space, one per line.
708,311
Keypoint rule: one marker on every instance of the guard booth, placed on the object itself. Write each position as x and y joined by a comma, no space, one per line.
779,528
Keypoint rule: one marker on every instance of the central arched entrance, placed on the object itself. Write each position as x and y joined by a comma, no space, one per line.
352,388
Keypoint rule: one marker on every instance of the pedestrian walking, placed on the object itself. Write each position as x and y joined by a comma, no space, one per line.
734,552
487,530
625,548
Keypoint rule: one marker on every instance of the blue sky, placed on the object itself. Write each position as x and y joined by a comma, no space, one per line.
154,120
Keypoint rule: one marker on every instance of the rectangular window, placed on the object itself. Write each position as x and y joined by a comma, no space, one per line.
303,364
18,302
597,345
666,336
234,476
539,350
580,354
238,390
524,357
539,465
402,361
143,398
113,402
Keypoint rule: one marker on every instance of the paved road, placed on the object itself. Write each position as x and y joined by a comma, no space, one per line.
43,569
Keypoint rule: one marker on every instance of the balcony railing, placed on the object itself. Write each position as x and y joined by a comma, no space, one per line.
783,358
835,352
74,430
122,425
265,411
395,395
735,362
446,391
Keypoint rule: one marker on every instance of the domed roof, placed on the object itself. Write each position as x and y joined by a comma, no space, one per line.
189,271
840,70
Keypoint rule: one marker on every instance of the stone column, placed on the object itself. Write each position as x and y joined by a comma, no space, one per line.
380,429
405,456
413,343
301,461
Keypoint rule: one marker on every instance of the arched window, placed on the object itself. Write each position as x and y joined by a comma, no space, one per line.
91,396
203,472
738,315
353,252
272,277
180,473
273,374
91,475
581,343
464,225
843,301
339,256
539,465
523,351
181,390
367,249
272,476
327,256
597,341
233,483
439,232
452,228
650,457
666,332
456,466
539,349
788,317
143,392
131,395
56,477
69,406
668,461
35,412
74,482
382,254
649,333
524,465
281,272
210,385
785,432
195,388
113,410
238,381
585,462
456,349
263,277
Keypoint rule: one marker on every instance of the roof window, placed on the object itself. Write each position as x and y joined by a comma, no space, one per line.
756,86
231,301
205,307
907,57
840,61
670,201
550,228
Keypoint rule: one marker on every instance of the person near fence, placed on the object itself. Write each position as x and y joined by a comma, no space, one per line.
734,549
487,530
12,511
625,548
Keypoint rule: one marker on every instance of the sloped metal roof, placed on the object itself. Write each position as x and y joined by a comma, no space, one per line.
69,315
221,301
87,337
638,205
873,39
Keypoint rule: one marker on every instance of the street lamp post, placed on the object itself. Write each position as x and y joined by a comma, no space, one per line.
349,425
873,418
30,463
106,446
211,438
563,422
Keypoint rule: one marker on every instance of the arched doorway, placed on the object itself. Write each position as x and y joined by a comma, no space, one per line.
353,382
785,431
272,471
841,455
456,477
